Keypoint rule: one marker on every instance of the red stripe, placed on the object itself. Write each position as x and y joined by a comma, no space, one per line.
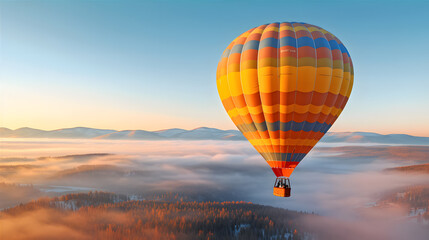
283,148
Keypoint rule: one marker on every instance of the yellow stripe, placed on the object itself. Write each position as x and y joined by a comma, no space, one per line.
250,84
223,88
258,30
287,79
306,79
350,86
323,79
298,28
234,83
337,80
268,81
275,29
250,81
286,27
314,29
345,85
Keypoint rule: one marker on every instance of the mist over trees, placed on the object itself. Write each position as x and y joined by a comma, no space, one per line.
100,215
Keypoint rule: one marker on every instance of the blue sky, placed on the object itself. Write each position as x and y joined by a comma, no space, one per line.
151,64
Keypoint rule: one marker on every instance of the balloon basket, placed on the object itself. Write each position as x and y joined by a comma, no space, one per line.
282,187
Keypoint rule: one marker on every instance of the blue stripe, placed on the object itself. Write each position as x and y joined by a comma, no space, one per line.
294,156
301,156
307,127
285,157
237,48
305,42
322,42
291,125
273,126
269,42
318,128
253,44
344,49
299,126
334,45
288,41
326,128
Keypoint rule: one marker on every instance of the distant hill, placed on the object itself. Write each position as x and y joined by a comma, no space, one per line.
202,133
412,169
368,137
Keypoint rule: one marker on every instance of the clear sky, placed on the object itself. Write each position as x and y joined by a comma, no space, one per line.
151,64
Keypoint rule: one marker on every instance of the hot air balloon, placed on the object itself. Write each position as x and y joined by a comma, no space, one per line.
284,85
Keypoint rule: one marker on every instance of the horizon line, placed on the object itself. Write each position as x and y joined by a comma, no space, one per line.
186,130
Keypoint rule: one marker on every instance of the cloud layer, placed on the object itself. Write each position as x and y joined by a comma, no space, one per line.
338,182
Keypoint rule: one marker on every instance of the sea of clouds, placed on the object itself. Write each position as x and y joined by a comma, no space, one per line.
339,182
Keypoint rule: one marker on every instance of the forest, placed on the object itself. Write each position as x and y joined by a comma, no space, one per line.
414,198
101,215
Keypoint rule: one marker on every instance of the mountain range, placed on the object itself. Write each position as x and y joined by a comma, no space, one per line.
202,133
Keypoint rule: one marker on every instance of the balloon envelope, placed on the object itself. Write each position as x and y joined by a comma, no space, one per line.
284,85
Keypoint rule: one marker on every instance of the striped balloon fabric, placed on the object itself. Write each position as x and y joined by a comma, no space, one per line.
284,85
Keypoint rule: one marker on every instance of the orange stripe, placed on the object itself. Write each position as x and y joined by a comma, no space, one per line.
268,52
282,164
287,98
251,54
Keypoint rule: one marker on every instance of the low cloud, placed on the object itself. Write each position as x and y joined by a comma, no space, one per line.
54,224
340,183
387,224
405,154
12,194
